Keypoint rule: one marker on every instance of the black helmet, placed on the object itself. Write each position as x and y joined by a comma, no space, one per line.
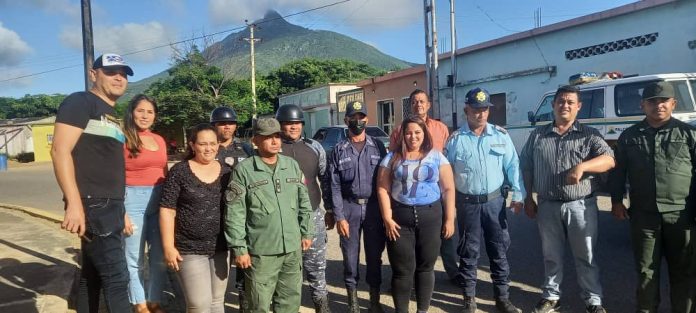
289,113
223,114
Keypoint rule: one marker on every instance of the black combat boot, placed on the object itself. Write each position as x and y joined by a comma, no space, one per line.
375,306
353,305
469,305
321,305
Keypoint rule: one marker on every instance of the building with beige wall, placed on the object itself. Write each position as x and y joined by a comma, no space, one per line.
386,96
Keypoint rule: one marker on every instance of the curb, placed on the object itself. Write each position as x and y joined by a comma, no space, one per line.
51,217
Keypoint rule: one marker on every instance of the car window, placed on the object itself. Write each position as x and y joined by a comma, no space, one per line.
592,104
334,135
627,98
376,132
320,135
545,111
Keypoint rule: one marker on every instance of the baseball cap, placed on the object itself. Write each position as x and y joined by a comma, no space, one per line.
658,90
266,126
110,60
355,107
478,98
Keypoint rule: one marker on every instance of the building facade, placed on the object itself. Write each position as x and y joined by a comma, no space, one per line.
319,105
645,37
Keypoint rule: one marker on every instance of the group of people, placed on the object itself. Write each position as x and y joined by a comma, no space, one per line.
433,193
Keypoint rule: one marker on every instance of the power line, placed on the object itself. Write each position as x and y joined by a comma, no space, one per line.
183,41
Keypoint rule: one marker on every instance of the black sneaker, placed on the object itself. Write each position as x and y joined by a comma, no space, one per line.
469,305
547,306
595,309
505,306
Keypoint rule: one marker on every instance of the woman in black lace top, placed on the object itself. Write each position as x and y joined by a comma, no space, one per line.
191,213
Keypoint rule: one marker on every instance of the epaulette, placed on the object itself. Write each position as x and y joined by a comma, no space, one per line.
501,129
453,135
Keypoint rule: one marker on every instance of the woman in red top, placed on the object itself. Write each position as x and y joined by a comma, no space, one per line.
146,166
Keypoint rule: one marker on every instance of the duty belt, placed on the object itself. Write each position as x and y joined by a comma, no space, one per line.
358,200
476,199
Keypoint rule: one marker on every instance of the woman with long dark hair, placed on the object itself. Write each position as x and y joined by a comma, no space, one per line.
191,212
411,180
146,166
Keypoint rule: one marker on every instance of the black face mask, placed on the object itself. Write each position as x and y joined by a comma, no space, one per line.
356,126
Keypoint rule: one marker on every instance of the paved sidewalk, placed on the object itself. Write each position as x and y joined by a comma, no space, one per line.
37,263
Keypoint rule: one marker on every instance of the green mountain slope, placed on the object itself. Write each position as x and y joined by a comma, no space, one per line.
281,43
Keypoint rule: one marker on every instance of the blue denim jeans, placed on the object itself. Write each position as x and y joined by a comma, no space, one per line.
575,222
142,207
103,258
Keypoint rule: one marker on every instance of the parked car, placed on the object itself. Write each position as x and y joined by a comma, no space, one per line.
329,136
612,105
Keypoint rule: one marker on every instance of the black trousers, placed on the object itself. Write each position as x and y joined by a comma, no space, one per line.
413,254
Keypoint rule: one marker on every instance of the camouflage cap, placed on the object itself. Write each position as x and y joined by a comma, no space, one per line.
658,90
266,126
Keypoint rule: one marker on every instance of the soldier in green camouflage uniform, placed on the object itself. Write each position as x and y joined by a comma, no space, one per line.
657,157
268,223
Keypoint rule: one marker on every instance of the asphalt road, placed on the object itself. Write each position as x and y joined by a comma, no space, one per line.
34,185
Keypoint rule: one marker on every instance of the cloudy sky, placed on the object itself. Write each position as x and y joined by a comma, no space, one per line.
41,50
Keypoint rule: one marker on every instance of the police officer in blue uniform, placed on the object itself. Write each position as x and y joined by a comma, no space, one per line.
353,168
483,158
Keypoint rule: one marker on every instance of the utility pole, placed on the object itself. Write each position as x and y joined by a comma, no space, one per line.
251,41
87,41
453,64
431,63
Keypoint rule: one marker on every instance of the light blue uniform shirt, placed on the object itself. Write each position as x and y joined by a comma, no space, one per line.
416,182
480,163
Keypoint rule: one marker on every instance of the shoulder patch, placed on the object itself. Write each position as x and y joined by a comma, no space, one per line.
501,129
234,192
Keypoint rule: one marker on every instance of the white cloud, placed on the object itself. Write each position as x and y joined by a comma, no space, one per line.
357,13
126,38
65,7
13,49
9,73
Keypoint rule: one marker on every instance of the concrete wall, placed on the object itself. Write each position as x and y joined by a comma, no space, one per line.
317,103
396,87
674,50
19,139
43,139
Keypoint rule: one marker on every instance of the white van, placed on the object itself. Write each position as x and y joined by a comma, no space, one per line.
612,105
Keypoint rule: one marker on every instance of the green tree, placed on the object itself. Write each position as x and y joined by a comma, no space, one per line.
309,72
194,88
40,105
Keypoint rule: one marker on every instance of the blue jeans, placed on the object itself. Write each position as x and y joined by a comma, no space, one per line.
142,207
103,258
576,222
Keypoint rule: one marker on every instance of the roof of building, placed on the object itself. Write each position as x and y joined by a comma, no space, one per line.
27,121
392,75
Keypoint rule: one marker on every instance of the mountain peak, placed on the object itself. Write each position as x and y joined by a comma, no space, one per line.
272,14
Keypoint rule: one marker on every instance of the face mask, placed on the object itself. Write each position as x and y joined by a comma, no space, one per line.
356,127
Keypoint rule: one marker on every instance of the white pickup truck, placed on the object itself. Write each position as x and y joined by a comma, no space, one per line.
612,105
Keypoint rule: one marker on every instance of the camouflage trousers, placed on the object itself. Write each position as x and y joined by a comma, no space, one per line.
314,259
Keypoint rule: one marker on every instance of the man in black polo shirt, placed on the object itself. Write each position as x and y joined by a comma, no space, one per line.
89,165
